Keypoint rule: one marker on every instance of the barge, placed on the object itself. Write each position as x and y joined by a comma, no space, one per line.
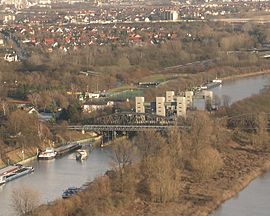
14,172
8,169
214,83
19,173
65,149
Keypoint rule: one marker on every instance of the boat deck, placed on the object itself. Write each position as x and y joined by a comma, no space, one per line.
8,169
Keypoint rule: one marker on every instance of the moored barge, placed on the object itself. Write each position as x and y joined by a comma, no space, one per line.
65,149
13,172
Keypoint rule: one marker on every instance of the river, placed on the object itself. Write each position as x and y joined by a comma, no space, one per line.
239,89
254,199
51,178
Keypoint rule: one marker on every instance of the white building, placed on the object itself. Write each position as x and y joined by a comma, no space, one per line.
169,96
160,106
181,106
139,101
98,106
189,98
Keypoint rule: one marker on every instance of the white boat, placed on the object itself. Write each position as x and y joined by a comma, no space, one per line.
81,154
2,180
204,87
217,81
9,169
48,154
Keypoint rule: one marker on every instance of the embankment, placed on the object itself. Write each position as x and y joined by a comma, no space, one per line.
201,198
239,76
18,156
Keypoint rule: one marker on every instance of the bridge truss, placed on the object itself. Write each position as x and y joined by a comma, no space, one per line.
127,122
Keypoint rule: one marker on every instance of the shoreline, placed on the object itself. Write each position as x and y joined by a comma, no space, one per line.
240,76
83,142
239,186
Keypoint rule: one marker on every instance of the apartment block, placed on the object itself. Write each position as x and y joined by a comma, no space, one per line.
181,106
160,106
139,101
189,96
169,96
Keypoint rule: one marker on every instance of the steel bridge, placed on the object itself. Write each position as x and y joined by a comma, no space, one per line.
122,128
129,122
126,122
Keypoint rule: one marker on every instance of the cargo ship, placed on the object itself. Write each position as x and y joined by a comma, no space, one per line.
13,172
65,149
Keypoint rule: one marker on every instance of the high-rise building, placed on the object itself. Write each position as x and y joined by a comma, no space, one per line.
189,97
169,96
139,101
181,106
160,106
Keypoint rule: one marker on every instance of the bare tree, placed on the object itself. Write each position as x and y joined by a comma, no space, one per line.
175,143
24,200
207,163
34,98
160,177
261,137
150,143
124,153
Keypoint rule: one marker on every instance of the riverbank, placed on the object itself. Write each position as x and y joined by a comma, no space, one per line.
196,198
201,198
189,81
30,153
239,76
241,164
249,173
242,184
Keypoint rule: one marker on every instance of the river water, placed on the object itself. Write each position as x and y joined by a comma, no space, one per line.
254,199
239,89
51,178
